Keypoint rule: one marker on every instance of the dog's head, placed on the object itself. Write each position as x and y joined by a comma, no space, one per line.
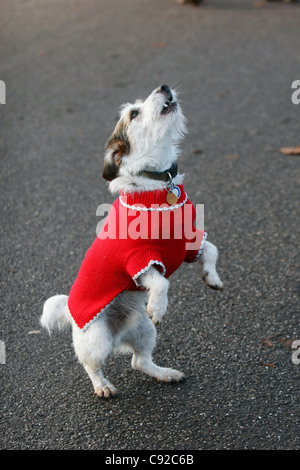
145,136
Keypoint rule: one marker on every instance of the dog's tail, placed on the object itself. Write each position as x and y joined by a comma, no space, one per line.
55,313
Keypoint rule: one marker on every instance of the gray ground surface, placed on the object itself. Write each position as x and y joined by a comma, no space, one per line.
68,66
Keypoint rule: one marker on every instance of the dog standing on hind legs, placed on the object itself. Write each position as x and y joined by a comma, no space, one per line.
121,291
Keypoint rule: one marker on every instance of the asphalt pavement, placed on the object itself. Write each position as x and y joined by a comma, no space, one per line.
68,66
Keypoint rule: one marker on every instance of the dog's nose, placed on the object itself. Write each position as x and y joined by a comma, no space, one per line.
166,92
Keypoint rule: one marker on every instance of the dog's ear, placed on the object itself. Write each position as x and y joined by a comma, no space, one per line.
112,162
116,148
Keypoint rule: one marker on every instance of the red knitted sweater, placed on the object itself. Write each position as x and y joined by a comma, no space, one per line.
141,230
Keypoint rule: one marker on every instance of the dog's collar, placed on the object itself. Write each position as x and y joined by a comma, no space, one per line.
166,175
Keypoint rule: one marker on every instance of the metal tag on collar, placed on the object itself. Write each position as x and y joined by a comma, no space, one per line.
173,191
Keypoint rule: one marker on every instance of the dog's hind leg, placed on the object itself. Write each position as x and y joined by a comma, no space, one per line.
92,348
142,340
209,259
102,387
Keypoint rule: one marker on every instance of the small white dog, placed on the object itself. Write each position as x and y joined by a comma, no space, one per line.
121,289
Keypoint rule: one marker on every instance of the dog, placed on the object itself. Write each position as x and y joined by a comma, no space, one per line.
121,292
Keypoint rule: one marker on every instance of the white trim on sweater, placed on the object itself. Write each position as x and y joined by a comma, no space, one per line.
144,270
201,247
165,208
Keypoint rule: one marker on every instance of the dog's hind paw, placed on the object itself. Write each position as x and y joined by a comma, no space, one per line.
107,391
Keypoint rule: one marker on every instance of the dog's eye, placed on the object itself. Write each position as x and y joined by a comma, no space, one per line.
134,113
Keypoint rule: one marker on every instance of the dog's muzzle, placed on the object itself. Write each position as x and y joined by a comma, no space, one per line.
169,104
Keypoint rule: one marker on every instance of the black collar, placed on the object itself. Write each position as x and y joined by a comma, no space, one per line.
166,175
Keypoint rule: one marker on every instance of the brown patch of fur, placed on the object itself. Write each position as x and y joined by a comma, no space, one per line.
119,141
118,145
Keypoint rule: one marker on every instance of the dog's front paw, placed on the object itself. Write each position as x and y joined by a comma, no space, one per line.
156,314
156,310
170,375
212,280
